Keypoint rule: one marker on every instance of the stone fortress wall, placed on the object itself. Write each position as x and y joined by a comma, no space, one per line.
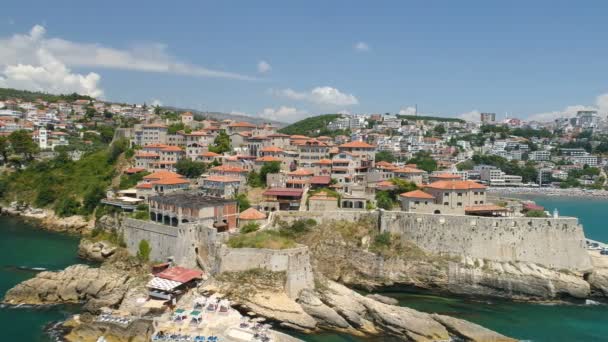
557,243
197,244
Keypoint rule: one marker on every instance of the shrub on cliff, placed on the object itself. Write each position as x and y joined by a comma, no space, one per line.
143,252
67,206
249,228
536,213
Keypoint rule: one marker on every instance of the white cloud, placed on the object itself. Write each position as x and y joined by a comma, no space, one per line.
42,71
601,106
324,96
20,49
283,113
602,103
408,111
361,46
474,116
263,67
157,102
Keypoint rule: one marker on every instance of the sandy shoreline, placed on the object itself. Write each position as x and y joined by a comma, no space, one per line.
551,192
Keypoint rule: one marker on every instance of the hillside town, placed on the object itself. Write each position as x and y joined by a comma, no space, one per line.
346,162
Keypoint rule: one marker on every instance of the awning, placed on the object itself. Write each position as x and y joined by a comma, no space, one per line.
163,284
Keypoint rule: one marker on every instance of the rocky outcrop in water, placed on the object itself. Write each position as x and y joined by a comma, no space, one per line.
332,306
95,250
98,287
48,220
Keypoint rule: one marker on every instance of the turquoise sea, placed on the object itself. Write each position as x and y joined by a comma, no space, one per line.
25,245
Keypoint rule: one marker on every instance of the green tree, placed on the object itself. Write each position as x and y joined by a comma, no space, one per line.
243,202
439,130
22,144
92,198
67,206
269,167
144,250
386,156
189,168
253,180
4,148
221,144
424,161
384,200
536,213
249,228
176,127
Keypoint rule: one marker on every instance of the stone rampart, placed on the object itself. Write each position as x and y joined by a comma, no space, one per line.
557,243
295,262
162,239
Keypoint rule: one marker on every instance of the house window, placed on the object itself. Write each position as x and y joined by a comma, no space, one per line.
446,194
416,202
460,194
475,202
459,204
445,203
480,202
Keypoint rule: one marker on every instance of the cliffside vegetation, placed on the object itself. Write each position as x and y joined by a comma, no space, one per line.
69,187
313,126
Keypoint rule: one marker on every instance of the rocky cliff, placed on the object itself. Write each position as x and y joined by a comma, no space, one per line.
48,220
345,255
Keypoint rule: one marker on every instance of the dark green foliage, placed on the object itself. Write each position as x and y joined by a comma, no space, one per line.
527,172
297,228
253,180
536,213
424,161
269,167
91,199
384,200
128,181
7,93
189,168
22,144
309,126
144,250
439,130
386,156
249,228
176,127
67,206
242,202
221,144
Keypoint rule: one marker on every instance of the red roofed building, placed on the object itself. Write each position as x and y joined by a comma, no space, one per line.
221,186
299,178
445,197
251,215
282,199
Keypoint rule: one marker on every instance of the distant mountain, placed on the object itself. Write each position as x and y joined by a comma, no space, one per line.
226,116
9,93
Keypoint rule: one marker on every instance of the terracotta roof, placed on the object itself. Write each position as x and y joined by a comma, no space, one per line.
163,174
155,126
180,274
455,185
144,186
252,214
172,149
170,181
300,172
417,194
298,137
408,170
384,164
268,159
134,170
278,135
385,184
357,144
322,196
271,149
296,181
155,146
222,179
320,180
209,154
228,168
283,192
143,154
242,124
323,162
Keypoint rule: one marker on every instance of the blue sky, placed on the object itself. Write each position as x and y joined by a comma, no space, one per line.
527,58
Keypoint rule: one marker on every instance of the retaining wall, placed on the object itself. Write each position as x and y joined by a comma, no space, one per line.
162,239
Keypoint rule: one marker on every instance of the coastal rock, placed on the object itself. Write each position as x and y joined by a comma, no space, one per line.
469,331
599,282
83,328
383,299
95,250
278,306
514,280
99,286
47,218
